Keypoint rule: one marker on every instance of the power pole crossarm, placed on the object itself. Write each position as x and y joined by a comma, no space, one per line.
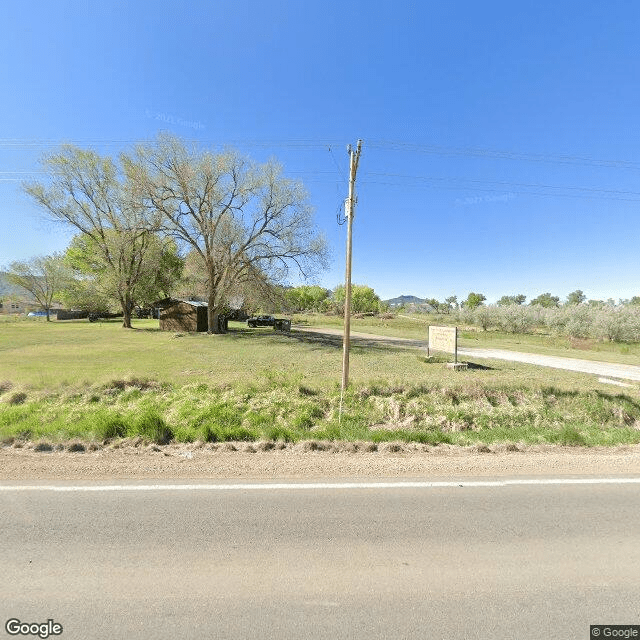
350,210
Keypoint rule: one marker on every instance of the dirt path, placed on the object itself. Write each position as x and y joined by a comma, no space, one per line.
390,461
606,369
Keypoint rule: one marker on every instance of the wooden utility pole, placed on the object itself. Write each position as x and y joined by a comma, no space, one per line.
354,157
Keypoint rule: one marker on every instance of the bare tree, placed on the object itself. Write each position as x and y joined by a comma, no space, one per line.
43,277
241,219
91,193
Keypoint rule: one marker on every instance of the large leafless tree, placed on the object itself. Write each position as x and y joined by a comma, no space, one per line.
241,219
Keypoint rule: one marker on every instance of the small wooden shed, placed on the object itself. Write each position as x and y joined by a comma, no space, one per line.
183,315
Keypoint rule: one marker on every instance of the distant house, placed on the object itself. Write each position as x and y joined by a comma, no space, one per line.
15,305
182,315
11,306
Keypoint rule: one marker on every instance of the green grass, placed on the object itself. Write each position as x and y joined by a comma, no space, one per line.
76,380
415,327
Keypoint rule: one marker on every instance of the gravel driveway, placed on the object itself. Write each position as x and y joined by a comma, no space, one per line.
606,369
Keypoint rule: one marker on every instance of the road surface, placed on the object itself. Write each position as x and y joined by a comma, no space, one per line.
457,560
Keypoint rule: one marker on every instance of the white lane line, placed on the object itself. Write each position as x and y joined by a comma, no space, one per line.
315,486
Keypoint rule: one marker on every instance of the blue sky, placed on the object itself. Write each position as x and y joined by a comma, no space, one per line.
500,139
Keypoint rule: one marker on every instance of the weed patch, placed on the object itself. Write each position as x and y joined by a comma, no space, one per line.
17,398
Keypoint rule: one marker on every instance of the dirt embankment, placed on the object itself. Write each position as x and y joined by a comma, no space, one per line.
309,460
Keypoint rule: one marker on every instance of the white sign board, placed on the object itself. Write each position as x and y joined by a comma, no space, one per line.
444,339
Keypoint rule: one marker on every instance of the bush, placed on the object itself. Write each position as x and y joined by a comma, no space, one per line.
514,318
578,321
603,322
483,317
618,324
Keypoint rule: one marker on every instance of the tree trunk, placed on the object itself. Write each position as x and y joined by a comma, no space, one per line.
126,321
213,317
48,318
126,312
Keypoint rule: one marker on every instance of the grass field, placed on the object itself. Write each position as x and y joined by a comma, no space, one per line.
91,381
416,326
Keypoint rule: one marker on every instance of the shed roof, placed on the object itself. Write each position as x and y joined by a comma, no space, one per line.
167,302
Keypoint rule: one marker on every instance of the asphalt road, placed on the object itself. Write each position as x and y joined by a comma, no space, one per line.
539,561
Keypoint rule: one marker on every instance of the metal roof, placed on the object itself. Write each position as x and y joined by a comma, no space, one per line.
167,302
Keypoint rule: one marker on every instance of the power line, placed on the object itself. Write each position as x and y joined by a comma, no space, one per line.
335,160
501,154
31,143
504,183
310,143
495,190
396,179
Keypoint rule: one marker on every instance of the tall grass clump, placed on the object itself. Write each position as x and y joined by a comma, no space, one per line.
106,424
150,425
221,422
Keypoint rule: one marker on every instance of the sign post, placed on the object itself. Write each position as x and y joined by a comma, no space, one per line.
445,339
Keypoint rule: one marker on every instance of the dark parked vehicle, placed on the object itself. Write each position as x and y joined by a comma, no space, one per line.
94,316
261,321
278,324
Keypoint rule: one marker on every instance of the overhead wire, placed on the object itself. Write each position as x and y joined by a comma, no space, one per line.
500,154
393,179
307,143
505,184
495,190
341,171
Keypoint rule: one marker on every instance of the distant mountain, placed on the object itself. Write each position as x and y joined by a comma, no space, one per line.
401,300
10,290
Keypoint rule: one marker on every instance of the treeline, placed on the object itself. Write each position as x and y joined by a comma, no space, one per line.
575,317
320,300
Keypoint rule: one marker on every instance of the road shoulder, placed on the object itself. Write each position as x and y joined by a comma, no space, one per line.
190,462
